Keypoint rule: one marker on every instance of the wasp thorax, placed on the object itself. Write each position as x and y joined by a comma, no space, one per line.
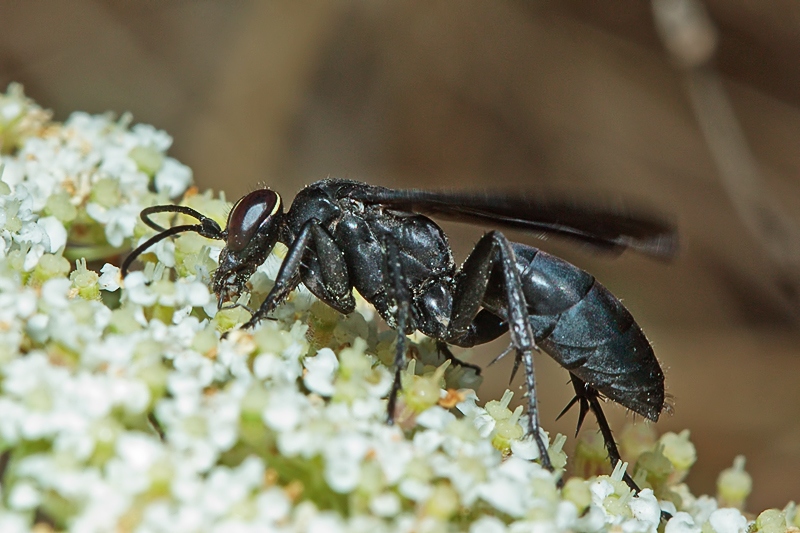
253,216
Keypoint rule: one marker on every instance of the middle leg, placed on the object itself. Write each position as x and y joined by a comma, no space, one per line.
401,297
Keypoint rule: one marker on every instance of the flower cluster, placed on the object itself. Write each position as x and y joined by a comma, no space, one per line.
123,407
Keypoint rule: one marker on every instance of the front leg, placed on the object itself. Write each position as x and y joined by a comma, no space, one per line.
332,271
493,250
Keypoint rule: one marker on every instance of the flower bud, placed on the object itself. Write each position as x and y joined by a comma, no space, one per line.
84,281
680,452
734,485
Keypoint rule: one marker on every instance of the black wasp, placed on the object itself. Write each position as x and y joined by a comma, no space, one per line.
344,235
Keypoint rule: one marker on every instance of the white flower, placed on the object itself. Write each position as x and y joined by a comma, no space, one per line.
110,278
24,496
566,515
273,506
482,420
682,523
385,504
56,233
427,442
435,418
702,507
14,522
147,135
526,447
138,289
16,302
601,489
487,524
414,489
138,451
173,178
392,453
343,457
728,520
321,371
194,294
119,221
11,109
285,409
225,487
325,523
645,508
503,496
55,294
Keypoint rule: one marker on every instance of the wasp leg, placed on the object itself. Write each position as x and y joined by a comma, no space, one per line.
586,394
399,293
333,270
584,409
494,251
444,349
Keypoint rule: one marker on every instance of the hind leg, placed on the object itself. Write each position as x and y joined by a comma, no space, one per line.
587,399
494,251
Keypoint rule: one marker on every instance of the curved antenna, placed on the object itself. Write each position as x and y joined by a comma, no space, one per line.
207,228
147,211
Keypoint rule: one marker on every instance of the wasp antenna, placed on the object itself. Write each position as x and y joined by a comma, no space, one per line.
146,212
154,240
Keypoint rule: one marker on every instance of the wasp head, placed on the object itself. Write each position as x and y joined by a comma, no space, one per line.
251,233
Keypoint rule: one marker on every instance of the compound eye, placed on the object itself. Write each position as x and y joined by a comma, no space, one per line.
252,212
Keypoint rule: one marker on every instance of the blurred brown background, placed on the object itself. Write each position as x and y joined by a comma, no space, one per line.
571,95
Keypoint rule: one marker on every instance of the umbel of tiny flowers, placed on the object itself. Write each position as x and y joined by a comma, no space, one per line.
122,408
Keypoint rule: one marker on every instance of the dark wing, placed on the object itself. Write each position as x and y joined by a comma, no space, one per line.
610,229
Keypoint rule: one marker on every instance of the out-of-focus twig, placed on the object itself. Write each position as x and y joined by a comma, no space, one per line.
691,39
